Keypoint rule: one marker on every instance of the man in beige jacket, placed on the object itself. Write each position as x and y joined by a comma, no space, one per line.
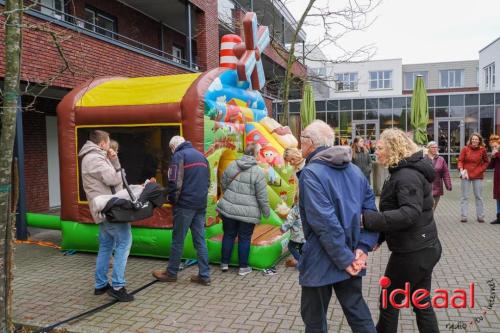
100,170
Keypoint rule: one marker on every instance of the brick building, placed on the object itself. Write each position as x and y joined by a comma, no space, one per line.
129,38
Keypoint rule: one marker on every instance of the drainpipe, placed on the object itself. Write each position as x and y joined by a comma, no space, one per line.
21,226
189,36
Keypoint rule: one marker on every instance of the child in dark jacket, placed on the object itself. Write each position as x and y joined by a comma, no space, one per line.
297,240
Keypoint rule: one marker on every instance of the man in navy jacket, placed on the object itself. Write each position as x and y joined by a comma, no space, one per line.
188,182
333,193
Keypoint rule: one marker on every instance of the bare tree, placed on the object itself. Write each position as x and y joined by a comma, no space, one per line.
333,22
11,94
13,11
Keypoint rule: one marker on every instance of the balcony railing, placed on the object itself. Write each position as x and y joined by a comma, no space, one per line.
80,25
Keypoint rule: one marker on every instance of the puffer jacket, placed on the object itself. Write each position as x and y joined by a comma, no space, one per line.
99,174
245,191
406,218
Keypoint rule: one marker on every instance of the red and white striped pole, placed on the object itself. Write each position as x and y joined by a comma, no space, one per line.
227,57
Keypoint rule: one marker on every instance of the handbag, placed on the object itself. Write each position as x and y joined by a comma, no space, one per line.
125,211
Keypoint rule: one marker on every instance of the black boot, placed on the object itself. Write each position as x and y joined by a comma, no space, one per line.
497,221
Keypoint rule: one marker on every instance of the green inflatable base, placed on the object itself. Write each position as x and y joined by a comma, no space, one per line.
43,221
157,243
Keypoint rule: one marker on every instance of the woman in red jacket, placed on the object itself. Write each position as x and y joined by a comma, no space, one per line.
472,163
495,164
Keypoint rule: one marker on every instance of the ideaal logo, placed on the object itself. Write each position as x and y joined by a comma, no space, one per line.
440,299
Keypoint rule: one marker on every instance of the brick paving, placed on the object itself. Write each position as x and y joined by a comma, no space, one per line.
50,287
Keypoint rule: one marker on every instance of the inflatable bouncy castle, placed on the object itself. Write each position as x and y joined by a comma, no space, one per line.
219,111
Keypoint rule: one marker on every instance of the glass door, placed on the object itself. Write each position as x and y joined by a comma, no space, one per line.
450,136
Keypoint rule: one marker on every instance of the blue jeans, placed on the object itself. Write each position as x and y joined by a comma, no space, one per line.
498,206
185,219
118,237
295,249
244,231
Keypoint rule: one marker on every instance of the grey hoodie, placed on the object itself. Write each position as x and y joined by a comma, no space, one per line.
98,174
245,191
336,156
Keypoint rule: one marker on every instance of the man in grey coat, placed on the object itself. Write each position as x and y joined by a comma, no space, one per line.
243,203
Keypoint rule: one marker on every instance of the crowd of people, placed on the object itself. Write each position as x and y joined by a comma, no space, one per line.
334,222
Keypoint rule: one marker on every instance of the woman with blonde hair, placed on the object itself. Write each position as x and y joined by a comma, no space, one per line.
361,156
472,163
406,222
495,164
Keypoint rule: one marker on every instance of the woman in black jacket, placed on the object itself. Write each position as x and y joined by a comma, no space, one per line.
406,221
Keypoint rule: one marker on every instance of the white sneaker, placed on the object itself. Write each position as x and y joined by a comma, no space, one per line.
244,271
224,267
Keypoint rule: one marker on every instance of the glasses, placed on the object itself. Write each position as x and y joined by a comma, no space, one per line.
302,136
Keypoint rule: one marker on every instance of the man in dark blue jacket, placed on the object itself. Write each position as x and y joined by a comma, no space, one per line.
188,182
333,193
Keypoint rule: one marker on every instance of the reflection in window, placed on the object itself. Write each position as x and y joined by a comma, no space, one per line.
451,78
100,22
381,80
143,152
399,118
411,77
346,81
486,122
385,119
489,76
225,10
471,120
345,124
54,8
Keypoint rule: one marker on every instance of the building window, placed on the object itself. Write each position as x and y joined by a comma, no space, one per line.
100,22
452,78
381,80
489,77
54,8
226,12
346,81
411,77
177,54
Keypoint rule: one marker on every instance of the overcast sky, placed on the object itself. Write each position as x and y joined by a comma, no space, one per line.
421,31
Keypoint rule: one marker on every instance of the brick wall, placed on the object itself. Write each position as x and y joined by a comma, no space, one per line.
35,162
208,33
90,57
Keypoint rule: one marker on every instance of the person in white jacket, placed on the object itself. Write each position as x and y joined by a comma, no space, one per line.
100,172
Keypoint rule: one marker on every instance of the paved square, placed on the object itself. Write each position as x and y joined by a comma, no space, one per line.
50,287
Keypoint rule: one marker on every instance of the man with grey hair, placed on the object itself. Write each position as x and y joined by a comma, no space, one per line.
188,182
333,193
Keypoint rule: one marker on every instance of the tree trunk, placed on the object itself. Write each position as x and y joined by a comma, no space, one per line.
291,60
13,12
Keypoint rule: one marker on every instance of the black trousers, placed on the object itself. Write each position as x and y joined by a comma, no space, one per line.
315,300
415,268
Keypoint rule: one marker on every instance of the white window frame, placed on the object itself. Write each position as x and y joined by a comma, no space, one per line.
346,81
414,75
57,13
177,54
489,76
451,73
380,79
